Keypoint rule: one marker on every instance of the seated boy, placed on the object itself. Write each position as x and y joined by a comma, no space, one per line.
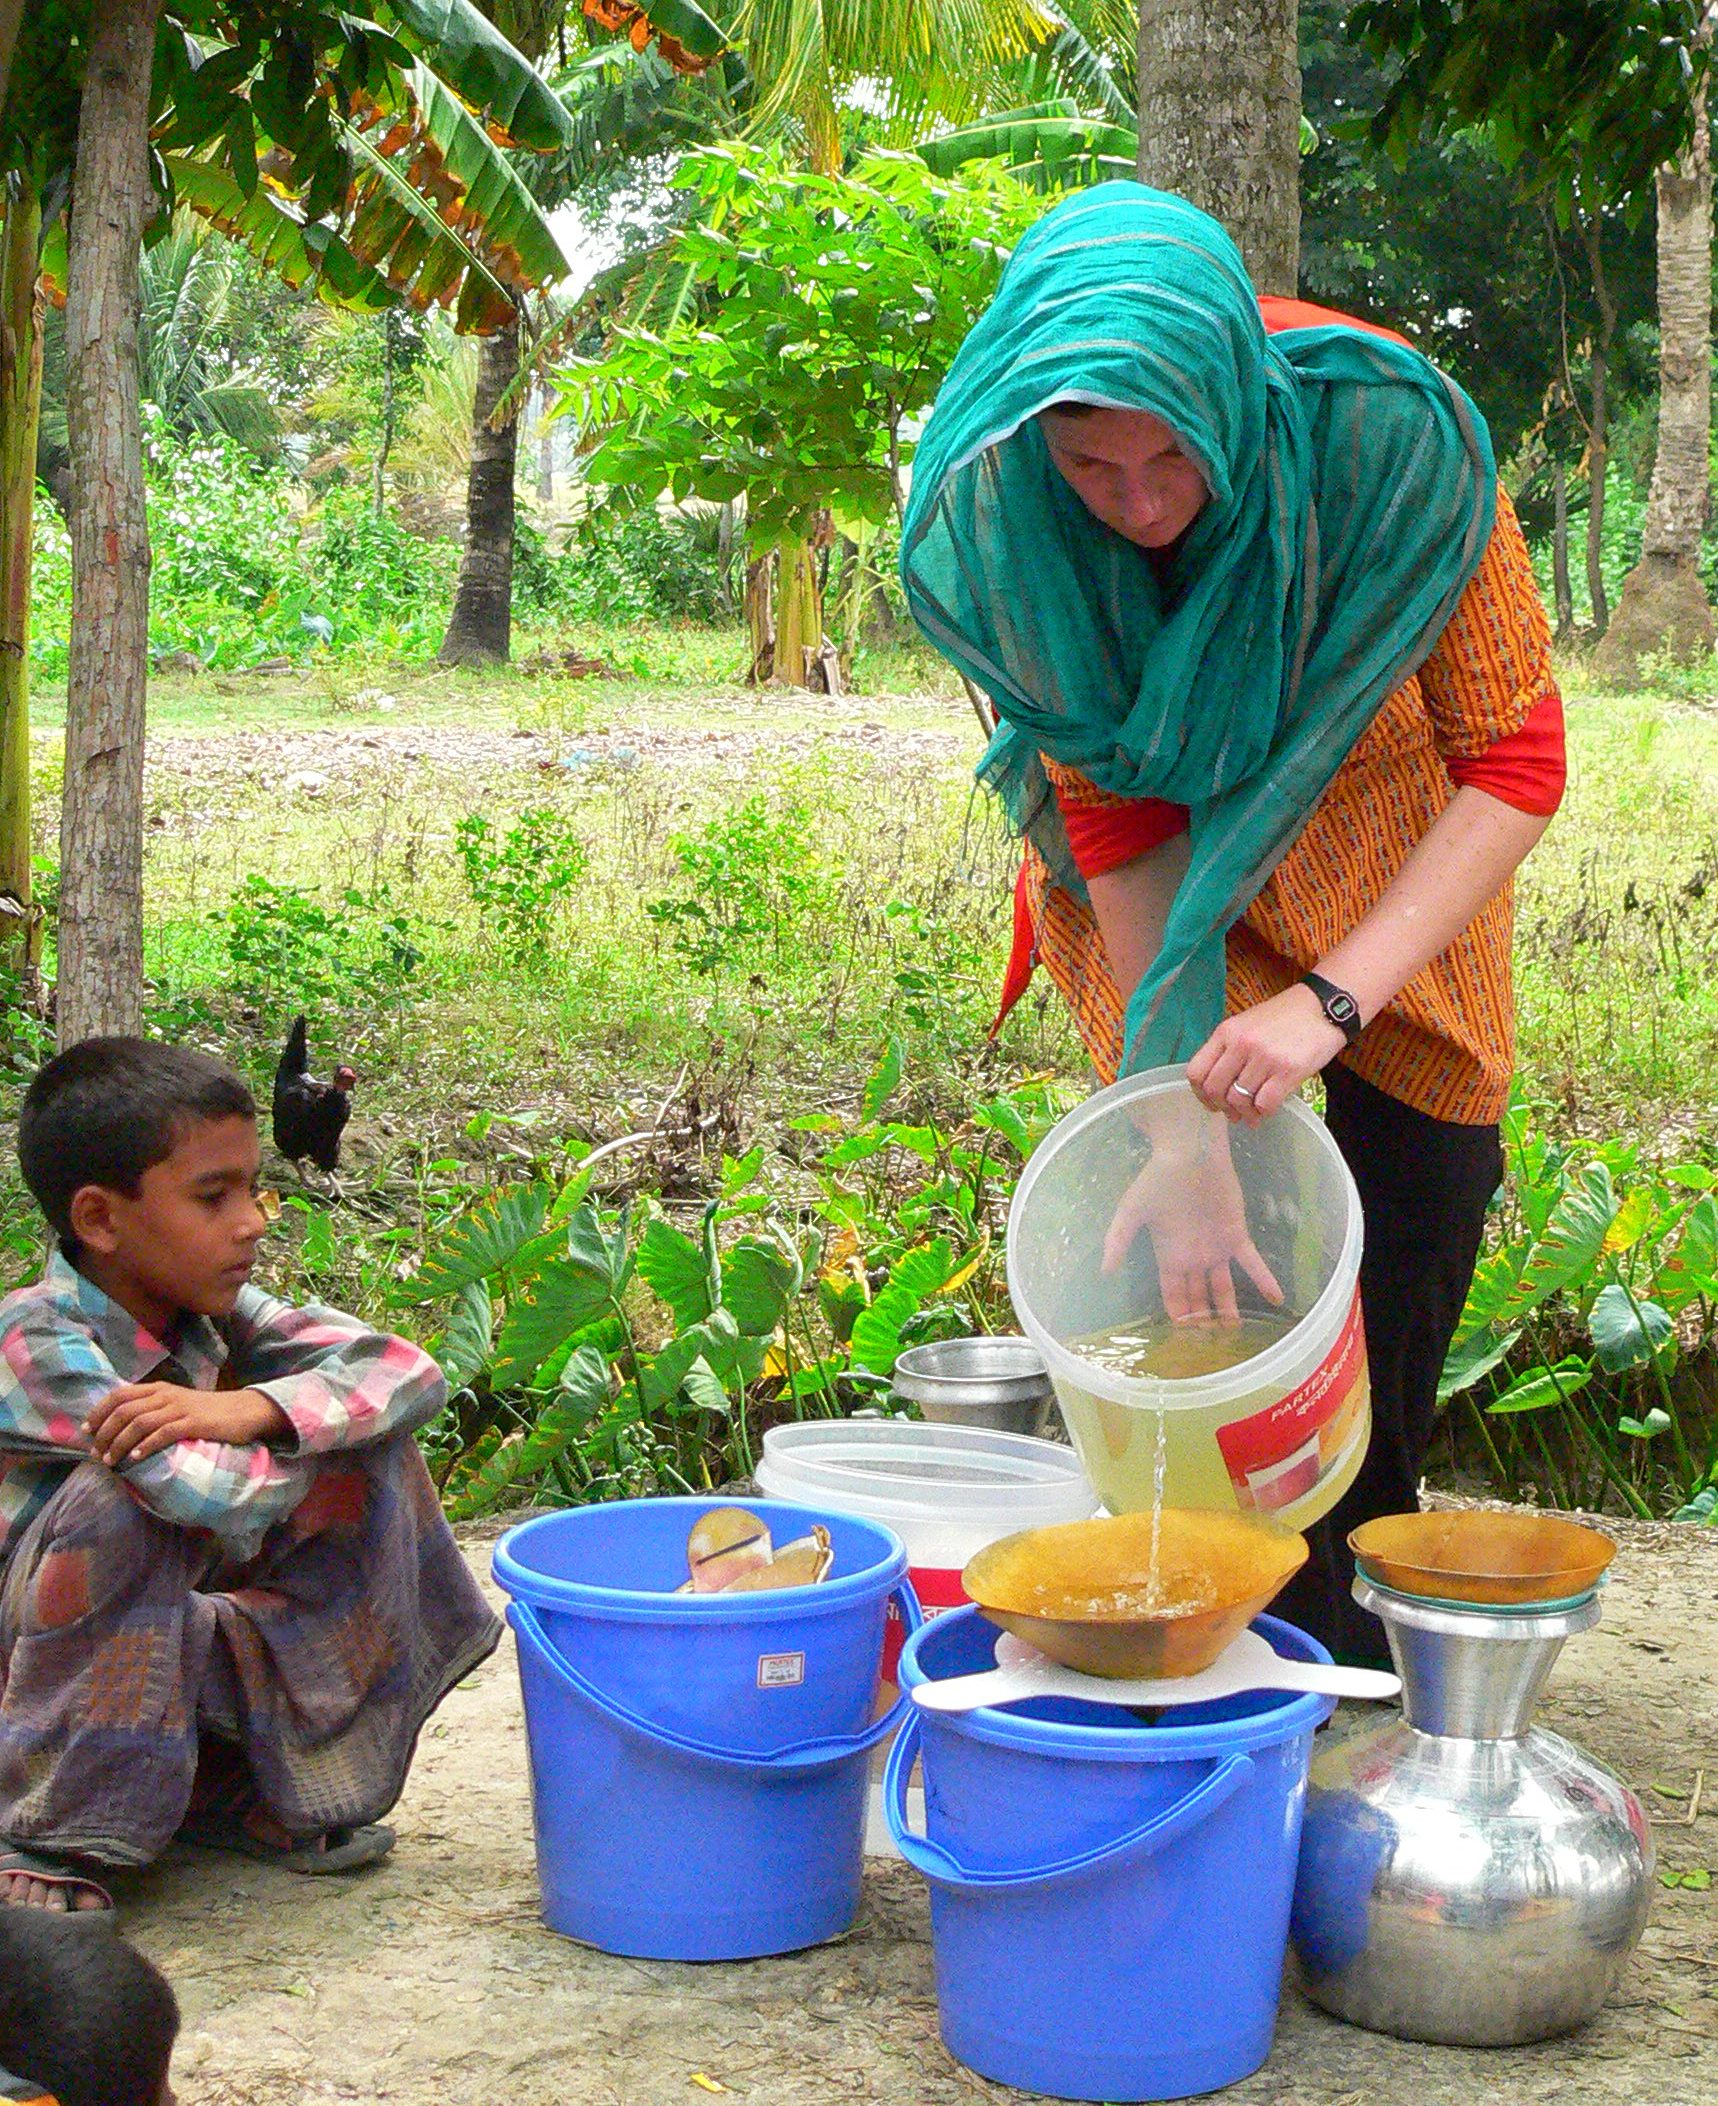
228,1596
84,2020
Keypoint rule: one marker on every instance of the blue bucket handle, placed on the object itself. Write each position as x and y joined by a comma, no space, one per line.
946,1870
807,1758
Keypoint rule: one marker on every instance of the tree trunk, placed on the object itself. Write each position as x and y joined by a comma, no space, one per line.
385,443
799,615
481,629
1561,586
20,411
545,450
760,617
100,986
1219,121
1598,420
1664,605
11,19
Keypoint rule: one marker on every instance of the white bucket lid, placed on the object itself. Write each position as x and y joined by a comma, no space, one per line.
901,1472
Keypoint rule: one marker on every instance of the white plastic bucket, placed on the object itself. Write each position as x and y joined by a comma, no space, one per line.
946,1491
1282,1433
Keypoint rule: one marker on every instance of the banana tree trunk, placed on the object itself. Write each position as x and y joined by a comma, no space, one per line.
1663,606
480,631
799,615
20,413
1219,121
100,984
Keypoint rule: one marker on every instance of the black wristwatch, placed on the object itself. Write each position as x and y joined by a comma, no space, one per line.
1338,1005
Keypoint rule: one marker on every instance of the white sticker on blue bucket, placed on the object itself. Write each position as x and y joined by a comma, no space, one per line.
781,1670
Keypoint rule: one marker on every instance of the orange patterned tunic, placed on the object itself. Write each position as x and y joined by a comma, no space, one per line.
1446,1044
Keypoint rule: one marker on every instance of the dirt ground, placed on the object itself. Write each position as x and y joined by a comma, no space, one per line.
432,1980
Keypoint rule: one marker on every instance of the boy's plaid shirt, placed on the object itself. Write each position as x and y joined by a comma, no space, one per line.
64,1346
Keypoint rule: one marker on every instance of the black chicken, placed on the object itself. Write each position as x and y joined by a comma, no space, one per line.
309,1116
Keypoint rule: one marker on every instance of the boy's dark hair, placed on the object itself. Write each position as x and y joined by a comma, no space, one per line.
108,1109
81,2014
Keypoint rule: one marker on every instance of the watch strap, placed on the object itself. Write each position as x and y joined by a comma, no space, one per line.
1338,1004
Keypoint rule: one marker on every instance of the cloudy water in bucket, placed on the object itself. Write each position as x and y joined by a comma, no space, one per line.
1162,1351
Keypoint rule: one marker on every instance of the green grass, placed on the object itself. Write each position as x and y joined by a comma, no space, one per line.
878,903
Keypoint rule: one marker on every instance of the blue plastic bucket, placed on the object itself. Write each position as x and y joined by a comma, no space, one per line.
698,1762
1109,1898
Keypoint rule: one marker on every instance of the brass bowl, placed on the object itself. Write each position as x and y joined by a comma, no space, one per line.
1477,1557
1081,1592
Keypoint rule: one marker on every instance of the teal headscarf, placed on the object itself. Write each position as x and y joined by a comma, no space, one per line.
1352,495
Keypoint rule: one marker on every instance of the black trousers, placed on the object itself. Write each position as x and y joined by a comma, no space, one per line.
1424,1188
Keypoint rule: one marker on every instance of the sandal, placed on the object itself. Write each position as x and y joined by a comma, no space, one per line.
59,1872
336,1850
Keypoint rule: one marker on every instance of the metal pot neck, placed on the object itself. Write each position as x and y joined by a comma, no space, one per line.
1471,1673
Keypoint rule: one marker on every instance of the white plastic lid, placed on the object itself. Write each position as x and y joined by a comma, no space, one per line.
900,1472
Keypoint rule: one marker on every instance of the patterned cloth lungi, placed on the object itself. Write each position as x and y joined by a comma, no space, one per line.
124,1641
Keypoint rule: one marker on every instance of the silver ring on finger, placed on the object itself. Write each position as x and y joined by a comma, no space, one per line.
1235,1090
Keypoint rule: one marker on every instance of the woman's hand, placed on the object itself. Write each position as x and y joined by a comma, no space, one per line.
1253,1062
1188,1199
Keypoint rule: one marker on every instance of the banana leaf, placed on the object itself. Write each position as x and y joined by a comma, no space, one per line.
281,241
470,54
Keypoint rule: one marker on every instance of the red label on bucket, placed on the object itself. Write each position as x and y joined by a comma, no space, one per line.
1279,1454
937,1588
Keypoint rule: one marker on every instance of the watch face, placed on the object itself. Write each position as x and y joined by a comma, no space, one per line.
1342,1011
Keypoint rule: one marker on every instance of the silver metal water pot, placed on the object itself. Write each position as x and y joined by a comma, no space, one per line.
1466,1877
997,1380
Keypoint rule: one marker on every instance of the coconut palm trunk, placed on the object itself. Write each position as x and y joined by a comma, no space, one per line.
1219,121
1663,606
20,411
480,631
100,981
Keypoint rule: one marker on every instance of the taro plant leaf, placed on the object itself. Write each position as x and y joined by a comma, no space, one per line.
712,1342
464,1345
1001,1115
884,1080
760,1277
487,1486
1493,1283
1702,1507
1628,1332
1542,1388
601,1253
481,1243
1472,1357
740,1172
703,1388
1571,1243
913,1279
579,1396
1657,1421
1692,1270
677,1270
1634,1217
563,1298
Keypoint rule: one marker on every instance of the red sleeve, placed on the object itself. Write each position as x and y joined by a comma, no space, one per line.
1278,312
1103,837
1526,769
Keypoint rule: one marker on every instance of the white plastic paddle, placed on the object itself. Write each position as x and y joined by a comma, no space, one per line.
1249,1663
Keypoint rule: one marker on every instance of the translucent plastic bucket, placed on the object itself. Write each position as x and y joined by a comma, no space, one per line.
1283,1432
946,1491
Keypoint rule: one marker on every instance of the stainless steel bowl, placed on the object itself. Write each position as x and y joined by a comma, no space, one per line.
999,1381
